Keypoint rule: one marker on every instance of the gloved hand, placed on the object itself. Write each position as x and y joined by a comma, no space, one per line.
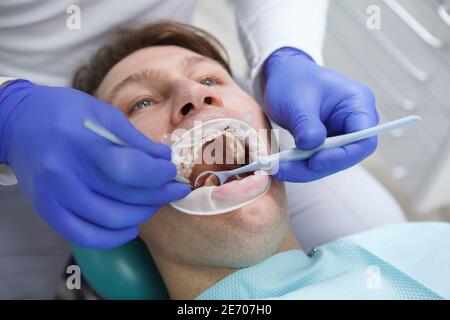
91,191
313,102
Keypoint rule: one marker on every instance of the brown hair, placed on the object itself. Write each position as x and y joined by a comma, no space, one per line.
89,76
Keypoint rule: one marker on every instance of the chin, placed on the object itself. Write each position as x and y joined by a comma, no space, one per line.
268,209
272,205
236,239
251,234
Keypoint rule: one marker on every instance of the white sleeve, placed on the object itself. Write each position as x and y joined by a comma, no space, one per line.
265,26
7,177
5,79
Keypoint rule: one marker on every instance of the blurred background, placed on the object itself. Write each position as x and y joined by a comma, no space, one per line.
407,63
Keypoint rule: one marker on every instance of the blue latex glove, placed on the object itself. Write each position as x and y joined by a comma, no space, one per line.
91,191
313,102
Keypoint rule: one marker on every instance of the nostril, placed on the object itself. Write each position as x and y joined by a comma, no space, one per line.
186,108
208,100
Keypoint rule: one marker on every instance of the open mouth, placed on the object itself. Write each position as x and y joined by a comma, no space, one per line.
222,153
219,145
217,150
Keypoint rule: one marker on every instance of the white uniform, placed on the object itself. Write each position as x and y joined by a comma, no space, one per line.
38,43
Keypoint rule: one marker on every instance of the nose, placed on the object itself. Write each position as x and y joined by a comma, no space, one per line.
193,98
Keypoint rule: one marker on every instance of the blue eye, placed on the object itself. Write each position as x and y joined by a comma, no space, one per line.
208,82
142,104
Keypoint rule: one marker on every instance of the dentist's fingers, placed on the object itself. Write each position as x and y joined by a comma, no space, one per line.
308,131
362,115
80,231
108,213
131,167
337,159
100,210
116,122
326,162
298,171
162,195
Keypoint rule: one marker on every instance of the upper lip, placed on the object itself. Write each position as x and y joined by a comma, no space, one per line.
206,114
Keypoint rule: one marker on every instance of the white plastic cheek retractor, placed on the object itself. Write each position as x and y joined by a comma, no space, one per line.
207,201
213,200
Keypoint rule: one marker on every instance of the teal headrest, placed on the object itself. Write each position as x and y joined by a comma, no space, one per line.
124,273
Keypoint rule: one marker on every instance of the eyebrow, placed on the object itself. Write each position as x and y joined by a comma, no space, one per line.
136,78
152,75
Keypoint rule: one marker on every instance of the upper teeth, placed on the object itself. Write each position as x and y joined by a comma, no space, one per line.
192,147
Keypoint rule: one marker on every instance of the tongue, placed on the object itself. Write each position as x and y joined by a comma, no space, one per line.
208,180
220,154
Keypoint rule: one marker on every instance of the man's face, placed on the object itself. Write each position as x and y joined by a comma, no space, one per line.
165,88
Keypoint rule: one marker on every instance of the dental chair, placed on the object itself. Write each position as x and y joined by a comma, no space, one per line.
124,273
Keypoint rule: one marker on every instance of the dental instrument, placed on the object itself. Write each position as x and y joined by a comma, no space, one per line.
265,162
108,135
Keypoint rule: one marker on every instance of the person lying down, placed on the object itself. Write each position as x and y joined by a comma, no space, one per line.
167,76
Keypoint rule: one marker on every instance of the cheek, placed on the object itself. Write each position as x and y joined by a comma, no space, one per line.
158,231
245,108
154,125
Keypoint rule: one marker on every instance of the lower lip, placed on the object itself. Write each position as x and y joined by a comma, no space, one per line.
242,190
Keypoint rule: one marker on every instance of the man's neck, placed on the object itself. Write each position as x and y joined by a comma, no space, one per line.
187,282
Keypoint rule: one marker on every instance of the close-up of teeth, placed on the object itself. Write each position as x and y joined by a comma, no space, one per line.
192,154
237,146
219,145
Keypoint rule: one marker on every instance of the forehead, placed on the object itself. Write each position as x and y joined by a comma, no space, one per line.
165,58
